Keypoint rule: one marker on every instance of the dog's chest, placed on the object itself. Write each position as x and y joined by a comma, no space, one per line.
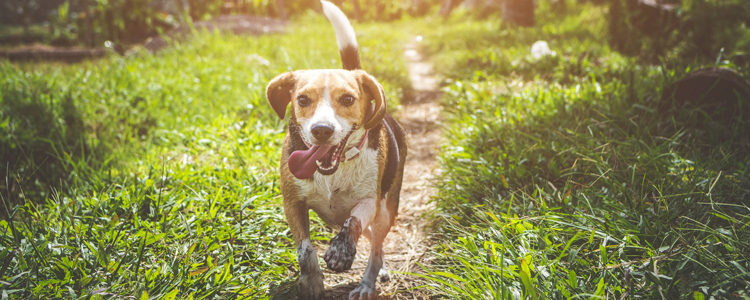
332,197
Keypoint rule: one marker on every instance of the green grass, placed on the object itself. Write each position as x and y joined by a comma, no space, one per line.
157,175
561,180
13,36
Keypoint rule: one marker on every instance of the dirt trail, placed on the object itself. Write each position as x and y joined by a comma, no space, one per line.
407,242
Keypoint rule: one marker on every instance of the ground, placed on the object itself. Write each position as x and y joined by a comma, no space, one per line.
407,245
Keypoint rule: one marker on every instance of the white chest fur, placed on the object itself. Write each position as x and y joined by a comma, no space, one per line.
333,196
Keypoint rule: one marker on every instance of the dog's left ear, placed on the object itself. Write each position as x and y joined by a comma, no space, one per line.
279,92
376,92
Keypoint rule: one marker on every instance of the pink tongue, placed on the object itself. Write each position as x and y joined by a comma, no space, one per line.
302,162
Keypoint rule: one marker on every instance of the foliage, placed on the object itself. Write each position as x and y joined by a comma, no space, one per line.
689,29
714,27
184,201
560,180
92,22
498,50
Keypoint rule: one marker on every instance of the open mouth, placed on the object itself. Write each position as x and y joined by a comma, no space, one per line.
322,158
329,163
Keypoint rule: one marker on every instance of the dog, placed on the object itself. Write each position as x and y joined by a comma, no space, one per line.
343,157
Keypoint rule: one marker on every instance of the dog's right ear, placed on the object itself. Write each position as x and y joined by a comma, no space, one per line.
279,92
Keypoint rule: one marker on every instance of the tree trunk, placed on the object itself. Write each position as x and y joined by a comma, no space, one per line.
357,12
559,6
281,8
518,12
26,30
447,8
88,39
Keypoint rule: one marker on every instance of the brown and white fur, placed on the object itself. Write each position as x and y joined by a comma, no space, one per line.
361,196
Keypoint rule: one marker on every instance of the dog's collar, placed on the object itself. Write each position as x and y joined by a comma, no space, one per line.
348,154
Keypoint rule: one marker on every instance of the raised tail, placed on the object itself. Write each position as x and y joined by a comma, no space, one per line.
345,36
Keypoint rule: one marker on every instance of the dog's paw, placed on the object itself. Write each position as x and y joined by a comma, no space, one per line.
311,287
340,255
384,275
363,292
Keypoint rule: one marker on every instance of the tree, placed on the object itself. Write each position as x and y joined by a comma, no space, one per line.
22,12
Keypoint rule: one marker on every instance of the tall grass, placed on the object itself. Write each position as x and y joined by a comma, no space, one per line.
175,191
561,180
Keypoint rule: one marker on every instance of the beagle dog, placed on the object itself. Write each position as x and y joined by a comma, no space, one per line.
343,157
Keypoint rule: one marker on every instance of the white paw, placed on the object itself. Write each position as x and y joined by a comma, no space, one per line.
363,292
384,275
311,287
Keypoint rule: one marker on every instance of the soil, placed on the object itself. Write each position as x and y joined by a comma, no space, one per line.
407,244
237,24
46,52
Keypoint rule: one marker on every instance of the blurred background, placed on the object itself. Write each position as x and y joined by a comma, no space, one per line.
697,27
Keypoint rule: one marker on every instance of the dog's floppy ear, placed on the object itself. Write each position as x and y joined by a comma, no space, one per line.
375,90
279,92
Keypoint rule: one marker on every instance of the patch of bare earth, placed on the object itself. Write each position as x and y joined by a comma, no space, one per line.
407,244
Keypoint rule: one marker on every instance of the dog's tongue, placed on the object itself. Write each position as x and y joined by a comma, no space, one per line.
302,162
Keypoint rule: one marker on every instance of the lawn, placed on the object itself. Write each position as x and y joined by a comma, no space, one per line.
562,180
156,176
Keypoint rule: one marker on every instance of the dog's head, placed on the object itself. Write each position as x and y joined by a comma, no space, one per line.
328,107
328,104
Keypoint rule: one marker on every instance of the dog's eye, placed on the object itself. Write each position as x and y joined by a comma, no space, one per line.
346,100
303,100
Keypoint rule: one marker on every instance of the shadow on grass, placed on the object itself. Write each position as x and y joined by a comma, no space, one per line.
44,145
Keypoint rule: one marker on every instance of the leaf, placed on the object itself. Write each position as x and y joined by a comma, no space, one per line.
572,279
655,279
171,295
724,231
739,267
72,293
600,287
525,275
144,296
449,275
698,296
199,271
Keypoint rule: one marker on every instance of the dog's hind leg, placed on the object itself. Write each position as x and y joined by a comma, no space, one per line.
384,275
311,278
366,289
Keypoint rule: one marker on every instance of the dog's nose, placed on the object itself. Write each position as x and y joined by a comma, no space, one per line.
322,132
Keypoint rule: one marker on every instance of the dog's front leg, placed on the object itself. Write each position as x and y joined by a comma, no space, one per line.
340,254
311,278
380,226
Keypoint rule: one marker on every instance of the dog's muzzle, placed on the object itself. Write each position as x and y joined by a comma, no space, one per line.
324,159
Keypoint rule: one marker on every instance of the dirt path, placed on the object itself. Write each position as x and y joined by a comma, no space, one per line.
407,242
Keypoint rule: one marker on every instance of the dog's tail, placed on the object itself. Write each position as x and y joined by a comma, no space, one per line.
344,36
